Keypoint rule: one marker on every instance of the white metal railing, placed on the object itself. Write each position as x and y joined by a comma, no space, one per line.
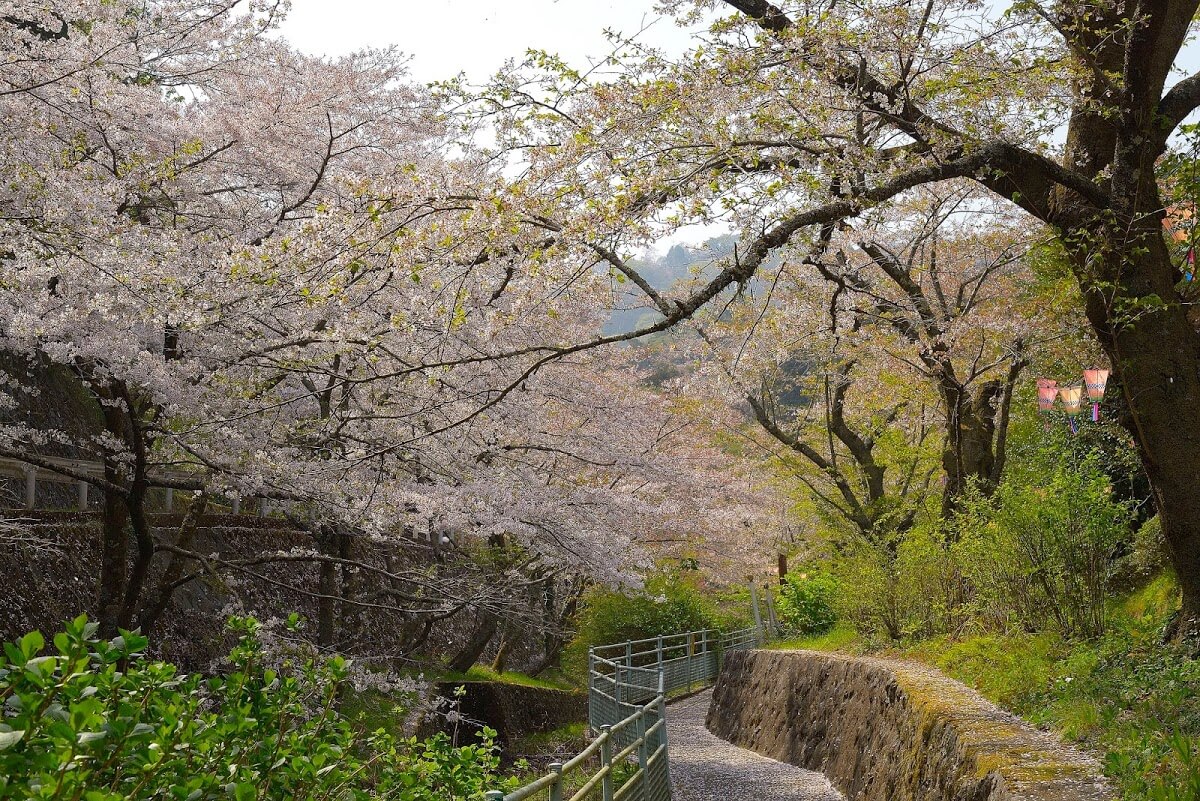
32,474
628,685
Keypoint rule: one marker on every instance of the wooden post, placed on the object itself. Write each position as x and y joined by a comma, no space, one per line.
170,498
493,795
82,499
772,624
30,487
782,567
262,507
237,504
758,624
606,783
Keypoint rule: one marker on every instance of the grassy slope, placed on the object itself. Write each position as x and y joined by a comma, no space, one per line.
1124,696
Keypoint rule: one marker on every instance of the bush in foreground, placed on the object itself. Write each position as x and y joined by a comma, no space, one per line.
97,720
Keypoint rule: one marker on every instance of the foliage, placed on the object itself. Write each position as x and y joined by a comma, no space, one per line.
292,295
1123,694
669,603
548,680
842,637
96,719
806,601
1041,550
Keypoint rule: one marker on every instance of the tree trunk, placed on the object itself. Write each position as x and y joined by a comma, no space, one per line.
485,630
327,588
351,615
114,557
969,455
1155,354
173,572
144,555
506,644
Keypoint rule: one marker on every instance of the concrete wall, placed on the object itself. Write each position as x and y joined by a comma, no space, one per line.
887,731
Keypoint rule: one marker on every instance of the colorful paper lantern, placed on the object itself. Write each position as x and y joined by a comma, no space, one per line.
1072,398
1095,380
1047,392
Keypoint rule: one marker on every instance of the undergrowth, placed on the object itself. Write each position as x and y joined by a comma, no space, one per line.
1124,695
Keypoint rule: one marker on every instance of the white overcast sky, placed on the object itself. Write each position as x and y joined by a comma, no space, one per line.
474,36
446,37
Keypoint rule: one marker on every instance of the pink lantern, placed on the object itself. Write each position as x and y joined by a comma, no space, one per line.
1095,379
1072,398
1047,392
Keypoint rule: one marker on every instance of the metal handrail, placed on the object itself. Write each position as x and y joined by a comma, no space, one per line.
552,782
620,711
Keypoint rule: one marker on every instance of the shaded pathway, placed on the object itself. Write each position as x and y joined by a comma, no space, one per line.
707,768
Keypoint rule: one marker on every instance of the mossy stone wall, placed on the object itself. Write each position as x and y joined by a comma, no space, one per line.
892,731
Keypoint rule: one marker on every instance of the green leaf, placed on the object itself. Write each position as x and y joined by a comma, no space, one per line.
32,643
10,738
245,792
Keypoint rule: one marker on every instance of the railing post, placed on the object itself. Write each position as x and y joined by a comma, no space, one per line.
628,653
82,498
556,793
662,669
30,487
591,686
493,795
237,504
606,783
662,739
170,498
691,658
643,757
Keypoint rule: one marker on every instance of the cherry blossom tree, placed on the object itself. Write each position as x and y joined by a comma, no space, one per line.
277,277
793,116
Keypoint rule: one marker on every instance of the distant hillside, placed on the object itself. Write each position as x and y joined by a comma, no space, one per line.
680,263
684,263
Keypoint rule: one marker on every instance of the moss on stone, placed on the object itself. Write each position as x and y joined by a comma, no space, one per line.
933,737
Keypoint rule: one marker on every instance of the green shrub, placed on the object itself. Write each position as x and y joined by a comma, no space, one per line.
97,720
1041,550
668,604
806,601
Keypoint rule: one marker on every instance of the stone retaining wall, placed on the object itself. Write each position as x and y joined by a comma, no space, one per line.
513,710
891,731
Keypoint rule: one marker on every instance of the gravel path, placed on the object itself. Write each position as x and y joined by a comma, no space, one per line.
707,768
